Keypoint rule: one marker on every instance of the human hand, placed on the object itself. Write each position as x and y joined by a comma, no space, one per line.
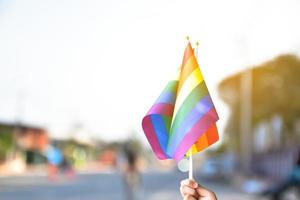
191,190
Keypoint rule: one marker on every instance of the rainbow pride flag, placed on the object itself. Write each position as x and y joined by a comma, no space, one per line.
184,115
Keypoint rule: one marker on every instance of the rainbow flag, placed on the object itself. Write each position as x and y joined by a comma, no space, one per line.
184,115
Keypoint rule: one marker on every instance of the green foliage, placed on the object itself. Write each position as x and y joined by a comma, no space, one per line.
6,140
275,90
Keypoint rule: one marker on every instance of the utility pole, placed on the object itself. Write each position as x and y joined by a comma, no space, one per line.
20,110
246,120
246,139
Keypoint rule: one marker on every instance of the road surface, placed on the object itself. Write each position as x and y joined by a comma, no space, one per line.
156,186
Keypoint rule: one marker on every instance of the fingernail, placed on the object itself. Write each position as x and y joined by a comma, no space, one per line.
195,185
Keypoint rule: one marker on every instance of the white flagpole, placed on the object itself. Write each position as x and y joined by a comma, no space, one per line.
191,165
191,177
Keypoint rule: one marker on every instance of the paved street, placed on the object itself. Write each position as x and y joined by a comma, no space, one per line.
157,186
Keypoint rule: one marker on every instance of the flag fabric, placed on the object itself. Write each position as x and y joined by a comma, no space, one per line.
184,115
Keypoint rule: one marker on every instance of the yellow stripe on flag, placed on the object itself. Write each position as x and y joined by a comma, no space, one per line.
191,82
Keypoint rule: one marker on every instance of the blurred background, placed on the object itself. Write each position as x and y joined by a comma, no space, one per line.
77,77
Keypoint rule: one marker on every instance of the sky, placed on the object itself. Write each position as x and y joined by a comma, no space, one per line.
102,64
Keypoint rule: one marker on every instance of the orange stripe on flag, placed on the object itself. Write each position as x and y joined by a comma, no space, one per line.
208,138
212,134
202,143
189,66
187,54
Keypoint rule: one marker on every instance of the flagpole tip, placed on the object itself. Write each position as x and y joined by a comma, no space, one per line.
197,43
187,38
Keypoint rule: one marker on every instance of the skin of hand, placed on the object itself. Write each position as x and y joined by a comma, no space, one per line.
191,190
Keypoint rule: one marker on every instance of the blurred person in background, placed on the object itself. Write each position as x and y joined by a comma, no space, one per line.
57,162
66,168
55,159
191,190
130,173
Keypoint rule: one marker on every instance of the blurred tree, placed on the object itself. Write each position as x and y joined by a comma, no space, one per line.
275,91
6,140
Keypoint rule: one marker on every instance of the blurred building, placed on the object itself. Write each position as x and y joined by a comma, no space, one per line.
24,143
33,141
31,138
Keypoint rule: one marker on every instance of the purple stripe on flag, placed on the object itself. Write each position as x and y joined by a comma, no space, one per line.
193,135
166,97
201,108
